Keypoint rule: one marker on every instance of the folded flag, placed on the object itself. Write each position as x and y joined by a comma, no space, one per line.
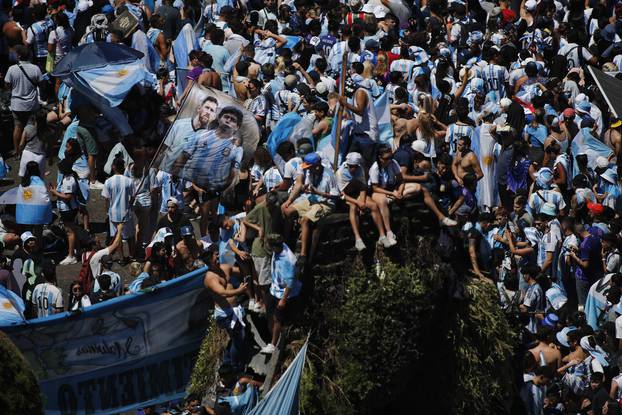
33,205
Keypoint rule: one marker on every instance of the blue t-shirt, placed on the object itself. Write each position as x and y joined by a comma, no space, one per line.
590,250
536,135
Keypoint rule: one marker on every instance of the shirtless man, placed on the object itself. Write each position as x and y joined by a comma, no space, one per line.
227,313
465,161
188,248
613,137
551,355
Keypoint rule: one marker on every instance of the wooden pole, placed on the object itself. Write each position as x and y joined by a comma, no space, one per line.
342,84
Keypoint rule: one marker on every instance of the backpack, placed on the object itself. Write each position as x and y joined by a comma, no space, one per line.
86,274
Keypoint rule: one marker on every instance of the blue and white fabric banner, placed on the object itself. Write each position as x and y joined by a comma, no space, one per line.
326,146
126,353
585,143
292,41
283,398
11,307
382,105
596,301
33,205
185,42
114,82
282,130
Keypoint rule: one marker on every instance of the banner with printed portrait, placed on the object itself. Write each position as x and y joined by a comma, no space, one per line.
122,354
211,136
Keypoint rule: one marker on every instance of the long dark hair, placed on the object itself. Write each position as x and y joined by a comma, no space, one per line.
32,169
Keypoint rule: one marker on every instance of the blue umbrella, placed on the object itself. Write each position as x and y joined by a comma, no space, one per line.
95,55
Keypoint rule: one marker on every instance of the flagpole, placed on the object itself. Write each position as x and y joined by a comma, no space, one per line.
342,84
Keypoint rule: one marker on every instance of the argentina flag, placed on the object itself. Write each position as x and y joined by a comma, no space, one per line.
282,130
596,301
382,105
114,82
11,307
585,143
185,42
326,146
33,204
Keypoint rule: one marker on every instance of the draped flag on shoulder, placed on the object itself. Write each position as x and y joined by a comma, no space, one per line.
185,42
596,301
33,204
11,307
121,354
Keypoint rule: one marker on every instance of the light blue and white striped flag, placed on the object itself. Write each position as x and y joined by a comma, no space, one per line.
185,42
33,205
11,307
382,105
326,146
114,82
585,143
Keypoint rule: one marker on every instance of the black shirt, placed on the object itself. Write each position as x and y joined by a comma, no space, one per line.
178,221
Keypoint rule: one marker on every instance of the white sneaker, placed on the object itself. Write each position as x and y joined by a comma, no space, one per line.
268,349
96,185
385,242
251,304
70,260
391,237
359,245
448,222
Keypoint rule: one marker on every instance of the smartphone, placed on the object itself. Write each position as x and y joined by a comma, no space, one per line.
248,279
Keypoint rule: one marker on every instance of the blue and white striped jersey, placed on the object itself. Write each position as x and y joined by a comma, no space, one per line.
46,298
119,190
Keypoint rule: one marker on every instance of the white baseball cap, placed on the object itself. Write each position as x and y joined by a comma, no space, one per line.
419,146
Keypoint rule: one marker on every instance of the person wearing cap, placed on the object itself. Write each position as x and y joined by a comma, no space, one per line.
188,250
613,137
47,298
27,261
174,219
548,224
312,198
544,193
118,191
351,182
284,300
114,284
607,189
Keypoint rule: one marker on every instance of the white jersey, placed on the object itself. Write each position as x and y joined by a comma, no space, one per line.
495,78
46,299
571,52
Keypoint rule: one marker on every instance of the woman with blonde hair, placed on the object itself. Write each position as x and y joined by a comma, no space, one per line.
429,130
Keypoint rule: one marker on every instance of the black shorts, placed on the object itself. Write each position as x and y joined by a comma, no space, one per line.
69,216
286,315
21,117
209,195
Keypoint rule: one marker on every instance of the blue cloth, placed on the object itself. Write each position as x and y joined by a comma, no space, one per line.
283,398
11,307
33,205
281,132
536,135
136,285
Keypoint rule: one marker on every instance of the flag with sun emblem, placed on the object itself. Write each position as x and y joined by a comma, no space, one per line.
11,307
113,82
33,204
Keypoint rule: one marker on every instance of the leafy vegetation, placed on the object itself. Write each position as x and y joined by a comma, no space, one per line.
20,392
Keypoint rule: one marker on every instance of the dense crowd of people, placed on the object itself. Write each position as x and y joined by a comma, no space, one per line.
496,126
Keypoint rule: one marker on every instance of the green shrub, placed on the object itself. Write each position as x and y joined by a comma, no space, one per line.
19,394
